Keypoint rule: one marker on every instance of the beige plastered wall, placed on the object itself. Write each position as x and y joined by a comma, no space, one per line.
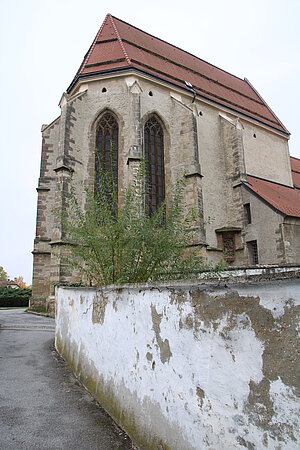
266,229
267,154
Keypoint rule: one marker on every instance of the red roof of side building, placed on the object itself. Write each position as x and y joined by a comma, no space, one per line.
119,46
6,283
295,166
283,198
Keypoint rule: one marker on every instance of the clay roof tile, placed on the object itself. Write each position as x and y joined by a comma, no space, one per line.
120,46
283,198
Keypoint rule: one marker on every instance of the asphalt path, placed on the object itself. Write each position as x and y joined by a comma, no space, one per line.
42,405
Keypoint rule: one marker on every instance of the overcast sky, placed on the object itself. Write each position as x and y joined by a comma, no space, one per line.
43,43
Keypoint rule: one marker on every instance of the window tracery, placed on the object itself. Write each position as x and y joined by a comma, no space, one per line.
107,148
154,162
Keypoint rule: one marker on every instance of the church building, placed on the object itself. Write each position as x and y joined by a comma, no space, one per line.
183,115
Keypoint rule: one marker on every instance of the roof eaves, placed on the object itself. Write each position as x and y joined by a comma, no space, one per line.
218,83
198,88
267,106
238,110
248,186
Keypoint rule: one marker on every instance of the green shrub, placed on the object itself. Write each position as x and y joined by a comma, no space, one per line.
112,244
14,296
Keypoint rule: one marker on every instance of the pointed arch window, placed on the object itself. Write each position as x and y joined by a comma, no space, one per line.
154,161
107,148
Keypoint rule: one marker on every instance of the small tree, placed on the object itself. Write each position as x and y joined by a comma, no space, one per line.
20,282
112,244
3,274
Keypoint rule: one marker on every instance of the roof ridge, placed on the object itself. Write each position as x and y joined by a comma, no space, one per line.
295,157
179,48
119,39
86,58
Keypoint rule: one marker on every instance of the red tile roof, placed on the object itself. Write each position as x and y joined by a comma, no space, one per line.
120,46
295,165
283,198
5,283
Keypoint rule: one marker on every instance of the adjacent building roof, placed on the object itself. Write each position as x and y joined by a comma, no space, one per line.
7,283
295,166
119,46
285,199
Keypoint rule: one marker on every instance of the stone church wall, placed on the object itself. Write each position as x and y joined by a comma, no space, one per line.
192,367
45,218
211,147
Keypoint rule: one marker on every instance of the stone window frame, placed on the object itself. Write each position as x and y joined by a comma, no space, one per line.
253,252
107,124
247,213
158,194
92,142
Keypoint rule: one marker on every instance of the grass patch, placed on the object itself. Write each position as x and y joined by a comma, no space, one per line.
37,309
11,307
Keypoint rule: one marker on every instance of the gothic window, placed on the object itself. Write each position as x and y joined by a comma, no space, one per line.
154,161
107,148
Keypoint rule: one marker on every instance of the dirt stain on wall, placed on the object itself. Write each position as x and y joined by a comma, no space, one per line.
99,305
279,337
164,346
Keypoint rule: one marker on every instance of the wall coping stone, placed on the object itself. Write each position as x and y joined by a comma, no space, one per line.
232,276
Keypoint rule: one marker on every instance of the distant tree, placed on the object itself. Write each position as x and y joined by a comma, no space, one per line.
3,274
20,282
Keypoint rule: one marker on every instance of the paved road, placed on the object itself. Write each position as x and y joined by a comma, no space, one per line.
42,405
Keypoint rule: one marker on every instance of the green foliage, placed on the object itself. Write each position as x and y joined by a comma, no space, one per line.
14,296
3,274
38,309
111,244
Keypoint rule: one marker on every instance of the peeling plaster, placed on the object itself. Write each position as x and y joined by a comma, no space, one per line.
230,381
164,346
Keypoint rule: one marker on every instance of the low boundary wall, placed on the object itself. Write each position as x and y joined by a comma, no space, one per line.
191,366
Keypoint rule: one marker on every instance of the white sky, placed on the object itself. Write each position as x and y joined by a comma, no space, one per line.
42,44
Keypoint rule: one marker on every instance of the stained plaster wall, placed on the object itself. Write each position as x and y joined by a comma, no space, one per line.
190,366
266,229
291,239
266,154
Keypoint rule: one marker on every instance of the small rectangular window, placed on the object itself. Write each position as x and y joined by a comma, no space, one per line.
247,212
252,252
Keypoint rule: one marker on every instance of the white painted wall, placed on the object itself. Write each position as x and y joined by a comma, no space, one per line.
189,367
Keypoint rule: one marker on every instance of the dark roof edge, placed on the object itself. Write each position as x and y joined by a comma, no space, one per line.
131,68
249,188
267,106
269,181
